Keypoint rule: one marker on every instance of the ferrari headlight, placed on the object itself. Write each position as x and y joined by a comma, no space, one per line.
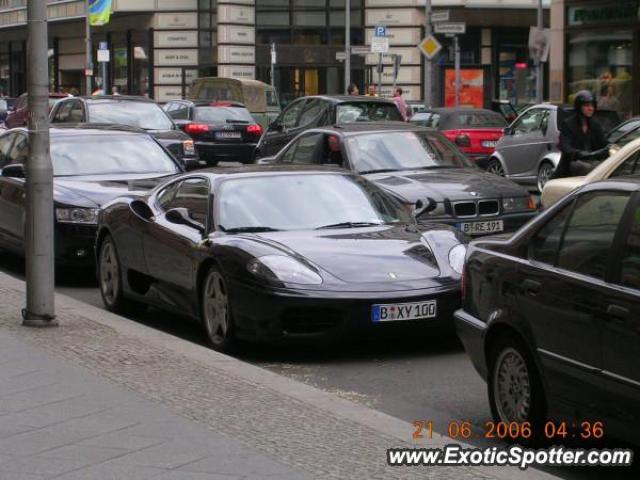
515,204
284,269
456,257
188,149
83,216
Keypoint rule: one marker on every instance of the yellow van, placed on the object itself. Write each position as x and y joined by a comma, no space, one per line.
260,98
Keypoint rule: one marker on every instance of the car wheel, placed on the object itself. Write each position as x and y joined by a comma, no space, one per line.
494,166
544,174
216,311
515,388
110,280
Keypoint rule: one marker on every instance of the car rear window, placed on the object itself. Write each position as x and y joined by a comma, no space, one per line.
480,120
367,112
147,115
223,115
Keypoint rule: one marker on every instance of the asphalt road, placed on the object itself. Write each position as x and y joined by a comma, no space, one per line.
412,378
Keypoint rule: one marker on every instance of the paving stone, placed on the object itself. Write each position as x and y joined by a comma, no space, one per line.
91,454
38,465
180,475
110,471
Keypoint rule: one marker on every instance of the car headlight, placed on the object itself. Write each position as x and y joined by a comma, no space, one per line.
456,257
283,268
84,216
514,204
188,149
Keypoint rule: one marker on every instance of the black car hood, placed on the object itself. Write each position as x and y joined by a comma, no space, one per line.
94,191
441,184
385,255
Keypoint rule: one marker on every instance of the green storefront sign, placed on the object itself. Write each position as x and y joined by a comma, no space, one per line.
604,14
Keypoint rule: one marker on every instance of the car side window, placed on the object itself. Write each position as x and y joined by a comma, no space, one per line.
544,246
630,265
290,115
20,151
5,146
308,149
628,167
311,113
76,114
62,112
180,112
193,194
529,122
586,246
165,196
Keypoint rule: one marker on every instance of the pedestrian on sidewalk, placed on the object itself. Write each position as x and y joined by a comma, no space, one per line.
352,89
371,91
400,103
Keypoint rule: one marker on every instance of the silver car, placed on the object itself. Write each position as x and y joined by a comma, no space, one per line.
528,153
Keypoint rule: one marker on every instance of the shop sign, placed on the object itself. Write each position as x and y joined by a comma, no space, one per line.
176,21
237,71
233,54
176,39
236,14
176,57
173,76
604,14
236,34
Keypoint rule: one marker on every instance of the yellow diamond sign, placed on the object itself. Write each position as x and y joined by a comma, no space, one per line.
429,46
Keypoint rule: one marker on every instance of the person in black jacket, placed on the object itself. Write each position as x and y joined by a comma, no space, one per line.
582,140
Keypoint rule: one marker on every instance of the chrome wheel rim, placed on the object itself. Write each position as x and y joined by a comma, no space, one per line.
544,174
109,273
495,167
512,387
216,307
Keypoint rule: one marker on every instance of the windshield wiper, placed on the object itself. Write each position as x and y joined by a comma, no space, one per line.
248,229
381,170
350,225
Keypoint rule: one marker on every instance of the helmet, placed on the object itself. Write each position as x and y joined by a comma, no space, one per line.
583,97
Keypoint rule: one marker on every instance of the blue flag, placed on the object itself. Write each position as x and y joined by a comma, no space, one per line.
99,12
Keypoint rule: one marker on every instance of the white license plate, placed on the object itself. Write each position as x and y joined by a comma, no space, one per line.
476,228
403,311
489,143
228,135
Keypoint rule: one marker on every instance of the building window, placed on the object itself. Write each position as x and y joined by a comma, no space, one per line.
602,63
140,64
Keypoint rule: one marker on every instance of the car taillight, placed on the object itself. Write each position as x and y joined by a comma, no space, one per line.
531,204
463,141
254,130
196,128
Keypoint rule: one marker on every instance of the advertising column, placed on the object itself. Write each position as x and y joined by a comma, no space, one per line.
236,39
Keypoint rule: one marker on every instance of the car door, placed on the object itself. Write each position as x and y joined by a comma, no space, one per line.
520,149
6,206
283,130
621,329
169,248
305,150
13,196
561,296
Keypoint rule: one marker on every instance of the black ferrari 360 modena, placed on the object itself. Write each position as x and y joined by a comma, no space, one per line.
277,253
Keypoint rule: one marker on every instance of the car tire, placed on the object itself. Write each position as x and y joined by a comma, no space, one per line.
494,166
110,281
216,312
544,173
515,387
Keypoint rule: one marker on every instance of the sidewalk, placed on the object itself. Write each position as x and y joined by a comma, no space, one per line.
102,397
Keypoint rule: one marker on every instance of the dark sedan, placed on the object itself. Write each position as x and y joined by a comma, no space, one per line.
222,131
278,254
551,317
90,167
323,110
139,112
421,168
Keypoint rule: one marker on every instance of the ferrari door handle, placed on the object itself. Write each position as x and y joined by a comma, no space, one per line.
531,287
616,312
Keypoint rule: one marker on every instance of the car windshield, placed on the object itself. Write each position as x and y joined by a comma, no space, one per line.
223,115
304,202
147,115
109,154
367,112
391,151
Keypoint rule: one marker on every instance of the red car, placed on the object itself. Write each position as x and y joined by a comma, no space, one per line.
19,117
474,131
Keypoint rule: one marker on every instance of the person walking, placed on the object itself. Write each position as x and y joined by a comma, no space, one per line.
371,91
400,103
582,141
352,89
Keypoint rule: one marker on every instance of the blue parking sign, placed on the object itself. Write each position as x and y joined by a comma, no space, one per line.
380,31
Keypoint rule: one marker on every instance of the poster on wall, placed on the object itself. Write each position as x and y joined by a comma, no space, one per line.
471,87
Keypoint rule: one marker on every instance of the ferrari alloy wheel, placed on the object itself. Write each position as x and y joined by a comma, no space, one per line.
495,167
216,311
515,389
544,174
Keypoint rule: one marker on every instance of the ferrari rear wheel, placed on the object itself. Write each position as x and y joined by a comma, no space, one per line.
495,167
544,174
216,311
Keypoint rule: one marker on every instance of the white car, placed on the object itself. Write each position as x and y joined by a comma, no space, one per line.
623,161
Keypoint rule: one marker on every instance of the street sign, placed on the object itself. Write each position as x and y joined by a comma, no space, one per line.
103,56
429,46
341,56
273,54
380,31
457,28
440,16
379,45
360,49
539,44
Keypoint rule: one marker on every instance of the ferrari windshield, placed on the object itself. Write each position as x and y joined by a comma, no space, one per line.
412,150
304,202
